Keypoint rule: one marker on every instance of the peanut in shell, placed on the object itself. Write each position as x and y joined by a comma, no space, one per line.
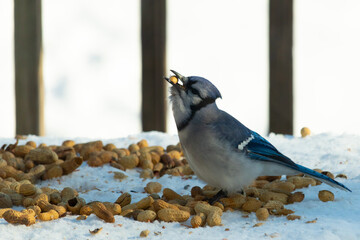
296,197
268,196
55,198
144,233
101,212
253,192
5,201
38,171
48,216
130,161
53,172
68,193
203,207
114,208
198,220
143,143
161,204
121,152
213,219
16,217
170,194
234,202
301,182
86,210
305,131
155,158
262,214
31,144
158,149
124,199
87,148
27,202
146,164
146,216
94,161
42,156
251,205
22,150
108,156
29,164
259,183
174,154
3,210
10,171
75,204
46,207
326,196
117,165
36,209
153,187
280,186
68,143
273,204
70,165
16,198
142,204
27,189
109,147
133,148
2,163
40,197
173,215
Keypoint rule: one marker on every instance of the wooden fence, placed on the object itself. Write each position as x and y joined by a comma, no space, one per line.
29,90
28,66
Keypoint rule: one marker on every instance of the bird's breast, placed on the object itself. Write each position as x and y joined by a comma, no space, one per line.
213,161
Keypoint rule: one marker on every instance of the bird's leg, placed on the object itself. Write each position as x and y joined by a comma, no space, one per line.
216,197
242,192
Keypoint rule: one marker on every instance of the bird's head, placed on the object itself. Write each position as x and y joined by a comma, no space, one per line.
189,94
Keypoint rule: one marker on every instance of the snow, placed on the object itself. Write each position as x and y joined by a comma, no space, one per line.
335,220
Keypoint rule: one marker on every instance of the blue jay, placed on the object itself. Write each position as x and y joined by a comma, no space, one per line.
221,150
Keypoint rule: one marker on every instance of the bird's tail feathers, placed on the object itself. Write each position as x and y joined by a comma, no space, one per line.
322,177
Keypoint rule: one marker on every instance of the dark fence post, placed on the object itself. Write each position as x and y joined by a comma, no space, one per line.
281,66
153,46
28,67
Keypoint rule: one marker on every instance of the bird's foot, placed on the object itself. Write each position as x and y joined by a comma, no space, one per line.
242,192
217,197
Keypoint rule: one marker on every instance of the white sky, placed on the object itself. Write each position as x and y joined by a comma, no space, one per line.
92,63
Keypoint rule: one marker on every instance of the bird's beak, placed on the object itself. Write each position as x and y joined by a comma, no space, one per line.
177,80
178,75
169,81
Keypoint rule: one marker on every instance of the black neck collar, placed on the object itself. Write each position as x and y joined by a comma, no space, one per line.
194,109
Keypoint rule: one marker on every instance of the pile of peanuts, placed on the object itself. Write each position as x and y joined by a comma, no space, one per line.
154,160
22,165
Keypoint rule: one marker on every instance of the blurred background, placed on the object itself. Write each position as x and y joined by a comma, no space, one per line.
93,71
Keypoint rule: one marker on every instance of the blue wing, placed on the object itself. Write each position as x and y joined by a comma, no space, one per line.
260,149
230,130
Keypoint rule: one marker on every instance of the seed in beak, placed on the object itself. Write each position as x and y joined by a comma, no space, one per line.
174,79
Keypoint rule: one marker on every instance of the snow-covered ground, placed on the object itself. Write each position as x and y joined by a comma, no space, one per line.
335,220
